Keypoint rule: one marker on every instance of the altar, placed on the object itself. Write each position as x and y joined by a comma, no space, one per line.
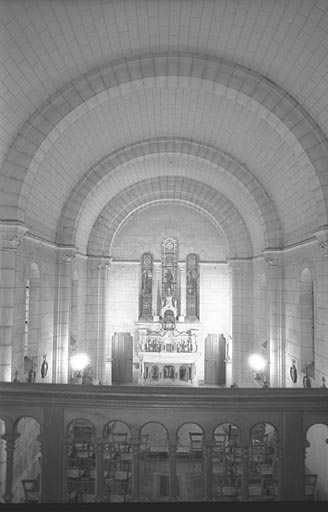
168,351
168,346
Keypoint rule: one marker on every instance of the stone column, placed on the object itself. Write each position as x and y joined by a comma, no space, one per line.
67,446
172,477
103,269
244,446
291,481
208,448
10,447
135,445
11,236
235,298
275,349
53,486
279,461
182,299
156,299
62,330
106,377
100,443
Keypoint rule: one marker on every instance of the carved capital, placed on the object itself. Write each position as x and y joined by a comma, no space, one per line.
105,263
67,254
10,440
322,237
234,266
271,257
11,235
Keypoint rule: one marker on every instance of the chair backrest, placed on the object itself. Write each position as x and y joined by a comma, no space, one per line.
255,487
219,440
120,437
310,485
229,486
31,488
120,440
196,440
144,442
258,452
258,432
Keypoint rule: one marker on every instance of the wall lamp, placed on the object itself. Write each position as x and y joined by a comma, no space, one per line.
257,364
78,363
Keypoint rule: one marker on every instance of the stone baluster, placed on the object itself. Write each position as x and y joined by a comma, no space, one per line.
10,440
244,446
100,443
172,475
208,465
66,452
135,445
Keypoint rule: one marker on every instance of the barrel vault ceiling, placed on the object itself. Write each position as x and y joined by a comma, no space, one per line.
109,108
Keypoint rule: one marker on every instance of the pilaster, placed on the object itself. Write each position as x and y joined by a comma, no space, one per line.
61,338
103,269
275,349
11,236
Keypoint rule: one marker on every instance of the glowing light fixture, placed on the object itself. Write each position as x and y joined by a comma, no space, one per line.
257,362
79,362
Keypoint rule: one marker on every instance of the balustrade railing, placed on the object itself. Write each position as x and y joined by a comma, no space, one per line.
165,416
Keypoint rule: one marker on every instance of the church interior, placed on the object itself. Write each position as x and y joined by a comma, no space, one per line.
163,251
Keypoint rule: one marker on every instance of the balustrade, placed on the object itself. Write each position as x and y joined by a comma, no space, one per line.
160,473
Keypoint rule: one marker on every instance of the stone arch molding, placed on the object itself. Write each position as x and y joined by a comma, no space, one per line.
75,214
217,209
192,70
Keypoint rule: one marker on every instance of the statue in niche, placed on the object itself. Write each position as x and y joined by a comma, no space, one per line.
169,278
191,282
147,282
169,320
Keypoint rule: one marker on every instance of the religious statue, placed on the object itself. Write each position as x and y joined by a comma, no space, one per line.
169,280
146,282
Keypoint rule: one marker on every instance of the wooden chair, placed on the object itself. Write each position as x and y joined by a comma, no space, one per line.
256,490
218,452
118,483
269,472
120,442
220,439
31,488
196,447
228,488
144,449
310,486
258,433
257,455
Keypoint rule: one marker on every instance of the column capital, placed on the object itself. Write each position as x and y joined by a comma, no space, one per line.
105,263
321,235
234,266
272,256
10,439
67,254
11,235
